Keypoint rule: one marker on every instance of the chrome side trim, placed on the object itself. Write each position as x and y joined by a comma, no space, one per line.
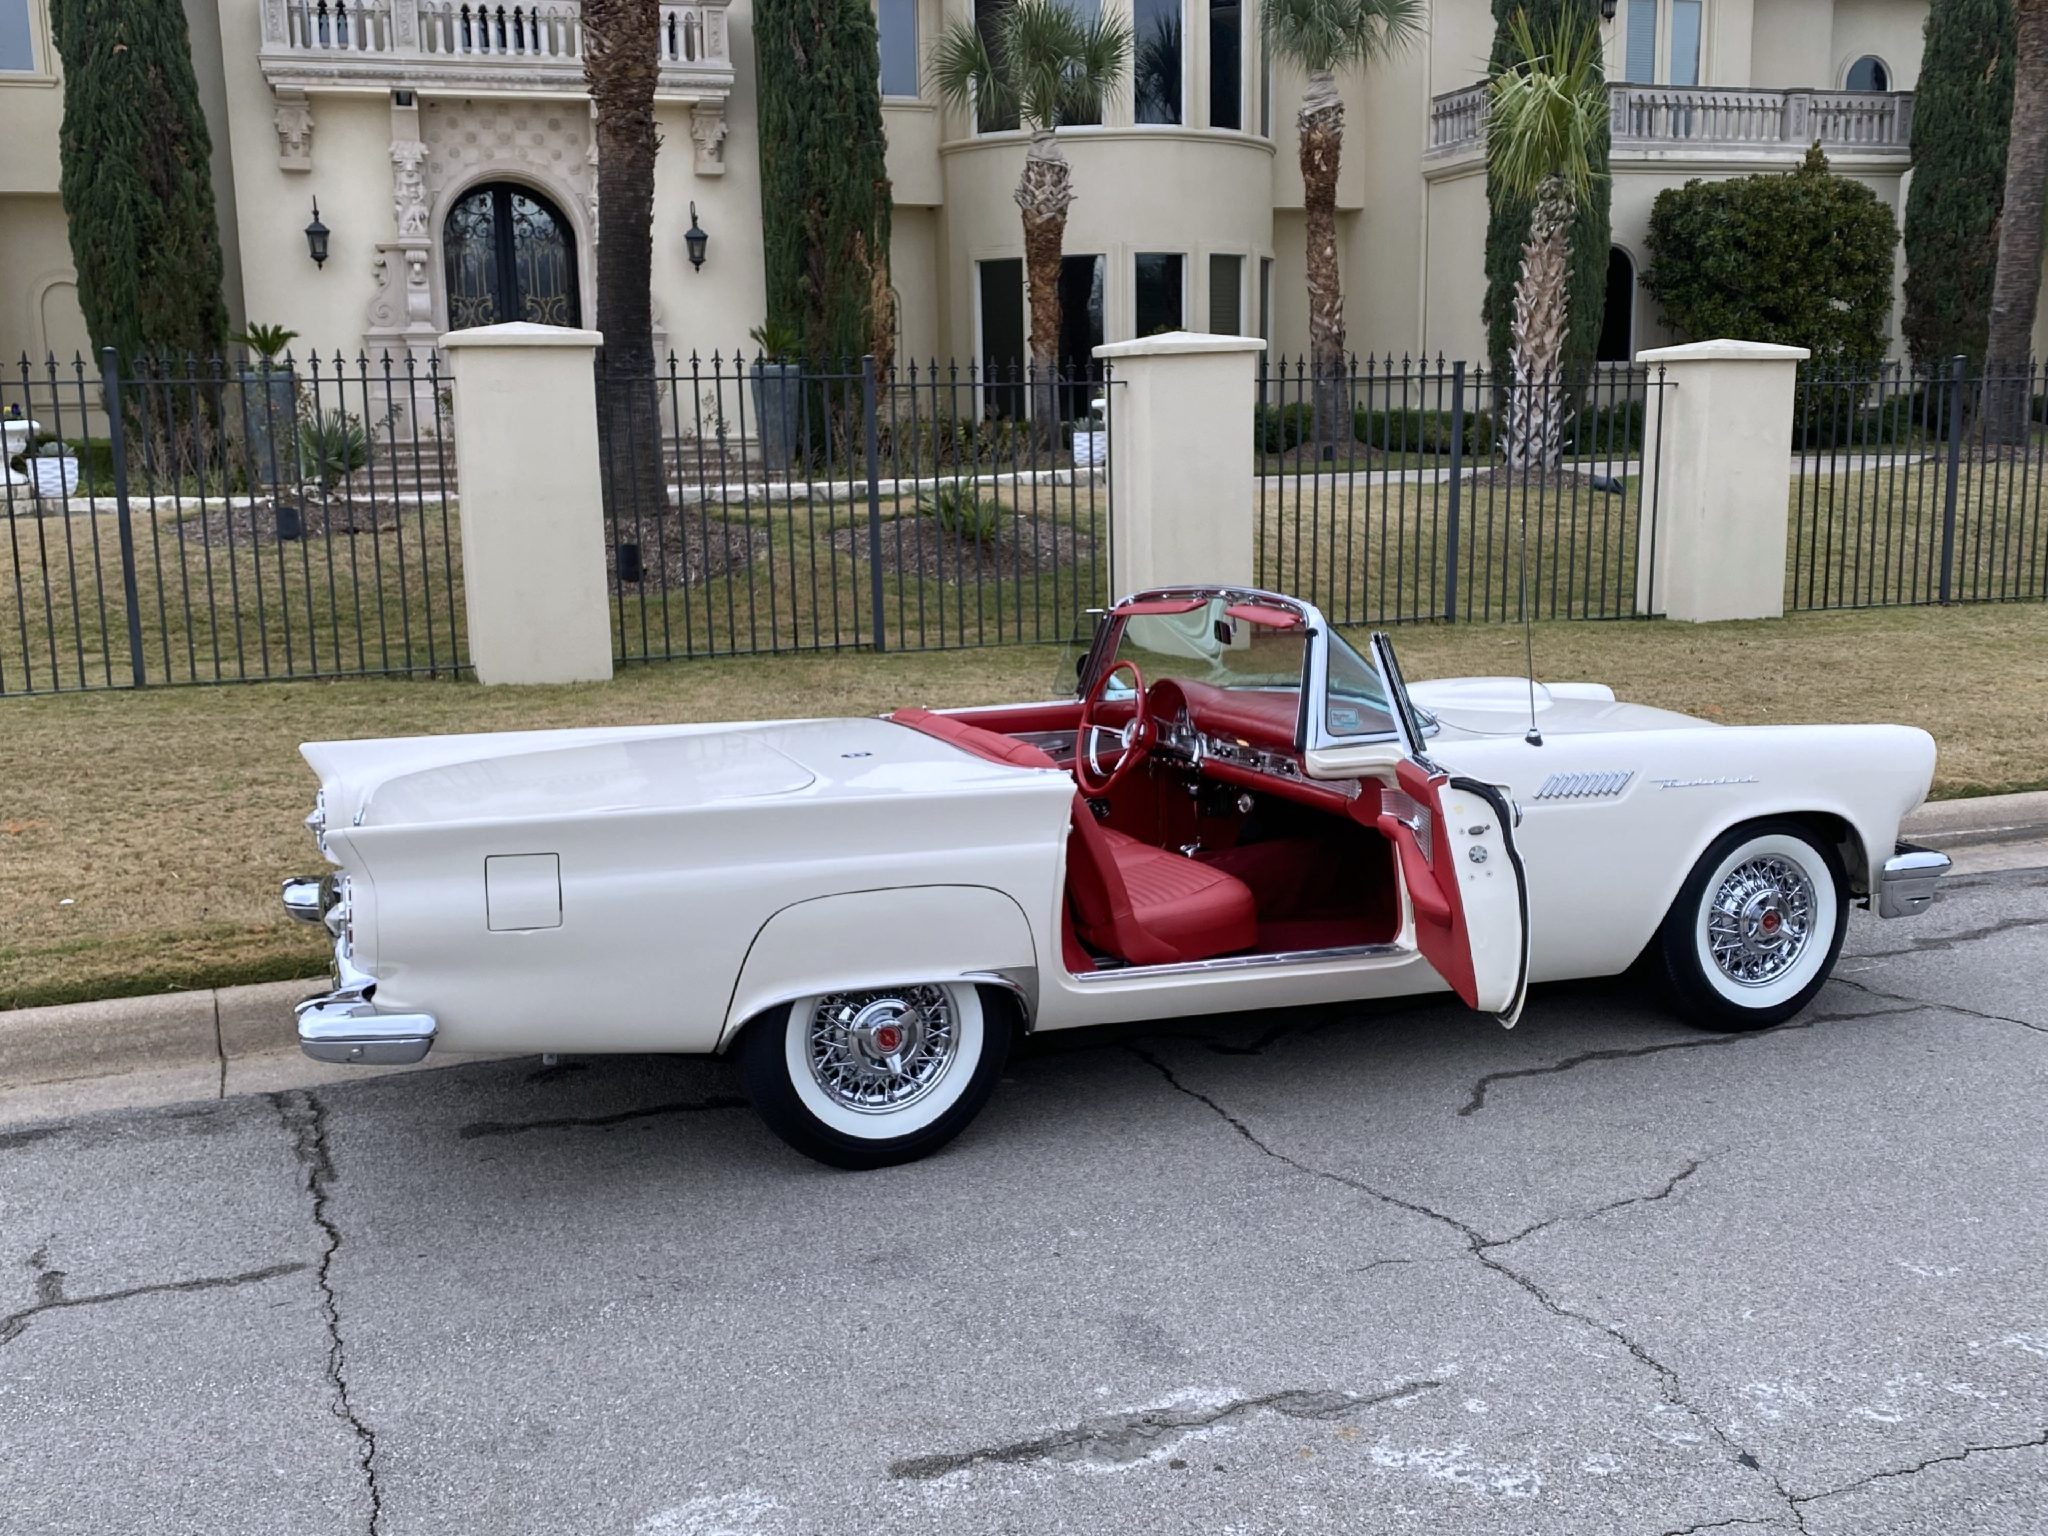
1909,881
1249,962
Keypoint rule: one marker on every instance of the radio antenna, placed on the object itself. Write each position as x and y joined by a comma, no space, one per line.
1534,735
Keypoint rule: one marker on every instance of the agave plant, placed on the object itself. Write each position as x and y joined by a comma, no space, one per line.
332,446
961,511
1546,109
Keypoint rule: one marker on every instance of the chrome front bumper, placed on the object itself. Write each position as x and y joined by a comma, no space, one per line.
345,1026
1909,880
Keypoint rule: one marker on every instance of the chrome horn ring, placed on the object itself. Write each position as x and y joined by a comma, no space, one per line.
878,1052
1760,920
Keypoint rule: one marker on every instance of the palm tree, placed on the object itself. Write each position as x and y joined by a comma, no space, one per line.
2016,287
621,62
1319,38
1040,61
1545,113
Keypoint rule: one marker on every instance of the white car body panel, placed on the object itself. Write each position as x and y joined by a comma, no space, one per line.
710,873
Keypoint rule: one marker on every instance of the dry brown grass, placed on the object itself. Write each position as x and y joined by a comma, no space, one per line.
165,819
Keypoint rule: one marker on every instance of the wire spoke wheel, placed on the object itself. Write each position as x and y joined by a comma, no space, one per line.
879,1052
1760,919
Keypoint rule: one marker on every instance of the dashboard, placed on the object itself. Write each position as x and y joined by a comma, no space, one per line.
1240,736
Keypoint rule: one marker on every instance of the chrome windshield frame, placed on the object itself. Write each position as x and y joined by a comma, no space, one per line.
1311,726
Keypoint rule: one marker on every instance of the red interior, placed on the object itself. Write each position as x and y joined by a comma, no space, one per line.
1306,868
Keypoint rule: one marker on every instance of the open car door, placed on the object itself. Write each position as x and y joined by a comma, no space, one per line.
1455,838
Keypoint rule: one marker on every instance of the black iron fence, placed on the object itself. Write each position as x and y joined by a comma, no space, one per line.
754,505
1918,486
1404,490
187,521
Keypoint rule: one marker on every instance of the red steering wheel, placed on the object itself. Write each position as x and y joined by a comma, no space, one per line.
1134,739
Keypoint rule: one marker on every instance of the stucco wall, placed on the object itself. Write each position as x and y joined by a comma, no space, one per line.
38,289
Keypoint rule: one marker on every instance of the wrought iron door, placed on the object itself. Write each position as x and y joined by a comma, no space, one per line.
510,255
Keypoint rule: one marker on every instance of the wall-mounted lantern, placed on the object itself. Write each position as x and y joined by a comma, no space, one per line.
695,239
316,237
1607,10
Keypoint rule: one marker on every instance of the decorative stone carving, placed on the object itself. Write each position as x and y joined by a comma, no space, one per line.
409,186
590,197
405,292
708,129
294,121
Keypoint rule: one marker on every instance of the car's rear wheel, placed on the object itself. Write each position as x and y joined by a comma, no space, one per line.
1756,927
879,1076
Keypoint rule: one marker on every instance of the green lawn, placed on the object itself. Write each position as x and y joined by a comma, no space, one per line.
142,835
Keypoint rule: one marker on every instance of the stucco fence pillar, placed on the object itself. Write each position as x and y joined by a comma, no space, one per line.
1180,459
532,514
1718,485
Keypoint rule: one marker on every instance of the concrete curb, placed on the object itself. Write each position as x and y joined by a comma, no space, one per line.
172,1048
179,1046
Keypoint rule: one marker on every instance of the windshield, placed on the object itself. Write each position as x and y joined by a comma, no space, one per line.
1223,641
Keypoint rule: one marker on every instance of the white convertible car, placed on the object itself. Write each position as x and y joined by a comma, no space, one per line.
1236,810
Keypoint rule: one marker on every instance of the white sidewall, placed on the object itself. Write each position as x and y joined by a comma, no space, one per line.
1820,938
829,1112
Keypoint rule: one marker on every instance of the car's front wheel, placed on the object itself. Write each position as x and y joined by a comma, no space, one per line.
870,1078
1756,927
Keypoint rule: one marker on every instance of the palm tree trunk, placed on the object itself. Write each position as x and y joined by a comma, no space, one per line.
621,61
2016,289
1538,331
1044,193
1321,124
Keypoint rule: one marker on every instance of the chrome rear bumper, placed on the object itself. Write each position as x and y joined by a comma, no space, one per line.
345,1026
1909,880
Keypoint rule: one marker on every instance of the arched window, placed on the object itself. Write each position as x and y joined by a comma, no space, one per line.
1618,315
510,255
1868,74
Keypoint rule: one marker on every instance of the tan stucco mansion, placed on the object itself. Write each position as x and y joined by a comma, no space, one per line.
448,145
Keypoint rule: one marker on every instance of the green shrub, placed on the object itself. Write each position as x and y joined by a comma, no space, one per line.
1607,428
1280,428
1804,259
332,446
962,511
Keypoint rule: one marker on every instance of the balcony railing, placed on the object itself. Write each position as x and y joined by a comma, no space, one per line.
1658,117
422,43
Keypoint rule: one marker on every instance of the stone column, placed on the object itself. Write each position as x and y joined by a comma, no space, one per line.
532,508
1180,459
1717,480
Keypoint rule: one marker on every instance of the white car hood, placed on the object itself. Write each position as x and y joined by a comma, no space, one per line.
523,774
1499,706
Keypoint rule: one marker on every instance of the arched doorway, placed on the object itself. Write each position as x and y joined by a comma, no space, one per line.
1618,314
510,254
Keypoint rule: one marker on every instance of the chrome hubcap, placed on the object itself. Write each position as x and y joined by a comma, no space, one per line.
1760,920
878,1051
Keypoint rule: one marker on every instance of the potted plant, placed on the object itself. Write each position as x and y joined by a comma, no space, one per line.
270,398
778,391
53,467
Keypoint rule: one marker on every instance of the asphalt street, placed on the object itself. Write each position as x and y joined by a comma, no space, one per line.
1324,1271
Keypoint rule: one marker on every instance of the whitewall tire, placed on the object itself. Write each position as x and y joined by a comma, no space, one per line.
1756,928
866,1078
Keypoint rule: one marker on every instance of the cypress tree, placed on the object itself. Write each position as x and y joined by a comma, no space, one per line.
824,183
1962,112
135,179
1507,224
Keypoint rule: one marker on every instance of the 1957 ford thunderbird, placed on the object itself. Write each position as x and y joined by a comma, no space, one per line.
1235,810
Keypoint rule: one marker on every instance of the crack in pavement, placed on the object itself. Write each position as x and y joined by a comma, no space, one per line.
305,1120
1120,1439
2038,1442
1932,1006
1722,1525
481,1128
50,1295
1670,1188
1705,1042
1479,1246
1936,942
